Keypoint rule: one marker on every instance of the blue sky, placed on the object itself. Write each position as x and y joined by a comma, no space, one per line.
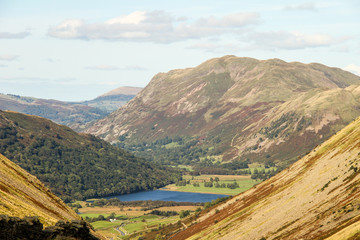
77,50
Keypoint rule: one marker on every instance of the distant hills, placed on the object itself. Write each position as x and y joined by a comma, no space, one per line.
72,114
235,108
315,198
113,99
72,165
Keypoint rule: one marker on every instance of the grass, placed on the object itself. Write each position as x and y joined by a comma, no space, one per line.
245,183
135,226
105,224
134,223
151,221
172,145
187,167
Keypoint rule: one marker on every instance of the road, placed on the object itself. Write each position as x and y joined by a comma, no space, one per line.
118,229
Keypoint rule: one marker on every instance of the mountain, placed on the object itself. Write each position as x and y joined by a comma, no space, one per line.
233,108
315,198
72,165
126,91
24,195
113,99
72,115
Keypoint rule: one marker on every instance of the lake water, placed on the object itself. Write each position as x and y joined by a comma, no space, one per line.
169,196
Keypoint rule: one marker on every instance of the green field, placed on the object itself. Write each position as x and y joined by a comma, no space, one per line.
105,224
131,225
244,183
137,224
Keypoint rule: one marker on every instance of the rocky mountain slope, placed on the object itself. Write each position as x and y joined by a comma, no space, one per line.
72,165
235,108
315,198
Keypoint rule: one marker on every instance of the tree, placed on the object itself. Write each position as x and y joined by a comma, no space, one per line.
184,213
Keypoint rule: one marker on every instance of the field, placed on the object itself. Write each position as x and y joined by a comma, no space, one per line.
133,219
244,182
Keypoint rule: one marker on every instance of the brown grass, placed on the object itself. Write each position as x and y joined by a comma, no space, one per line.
295,204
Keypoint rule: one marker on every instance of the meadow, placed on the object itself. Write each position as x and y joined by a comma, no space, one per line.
244,182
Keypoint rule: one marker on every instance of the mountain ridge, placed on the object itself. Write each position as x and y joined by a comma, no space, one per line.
72,114
237,102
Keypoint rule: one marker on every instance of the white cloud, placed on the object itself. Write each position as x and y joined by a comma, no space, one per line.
103,67
8,35
291,40
303,7
133,18
8,57
3,66
353,68
154,26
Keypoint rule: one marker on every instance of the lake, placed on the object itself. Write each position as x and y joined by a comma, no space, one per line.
169,196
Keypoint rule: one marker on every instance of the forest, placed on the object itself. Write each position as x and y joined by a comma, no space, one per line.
88,167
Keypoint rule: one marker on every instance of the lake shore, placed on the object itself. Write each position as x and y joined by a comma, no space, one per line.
178,189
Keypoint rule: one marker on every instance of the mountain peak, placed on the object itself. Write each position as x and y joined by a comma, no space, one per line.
123,91
255,108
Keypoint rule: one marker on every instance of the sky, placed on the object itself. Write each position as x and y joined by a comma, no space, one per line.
78,50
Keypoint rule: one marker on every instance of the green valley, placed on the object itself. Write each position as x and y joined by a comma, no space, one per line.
76,166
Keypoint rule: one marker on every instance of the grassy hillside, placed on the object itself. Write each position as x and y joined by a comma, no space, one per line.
72,165
315,198
235,108
22,194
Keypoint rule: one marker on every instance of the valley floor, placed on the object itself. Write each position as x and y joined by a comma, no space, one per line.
130,220
244,183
